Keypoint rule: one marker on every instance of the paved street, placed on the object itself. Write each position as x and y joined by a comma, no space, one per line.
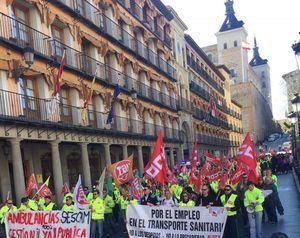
290,222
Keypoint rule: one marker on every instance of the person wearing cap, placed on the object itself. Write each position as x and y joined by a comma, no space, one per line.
253,200
69,205
8,207
231,203
108,213
98,208
149,198
49,205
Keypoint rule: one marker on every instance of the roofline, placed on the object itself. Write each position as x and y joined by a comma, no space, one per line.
235,103
223,66
197,48
163,9
176,17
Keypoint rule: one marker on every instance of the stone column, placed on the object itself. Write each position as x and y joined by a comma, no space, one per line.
18,171
5,184
57,172
172,161
140,159
85,165
125,151
107,154
179,152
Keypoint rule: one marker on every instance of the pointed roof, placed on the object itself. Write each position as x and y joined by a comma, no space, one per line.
231,22
257,60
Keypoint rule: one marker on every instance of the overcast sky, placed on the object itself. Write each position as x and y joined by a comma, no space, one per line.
275,23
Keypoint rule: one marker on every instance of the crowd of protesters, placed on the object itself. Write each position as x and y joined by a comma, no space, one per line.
247,204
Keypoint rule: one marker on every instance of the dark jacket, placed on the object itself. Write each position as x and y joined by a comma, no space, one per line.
151,199
211,199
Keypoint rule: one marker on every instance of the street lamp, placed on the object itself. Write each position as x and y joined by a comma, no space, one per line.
296,49
293,119
296,106
133,94
28,55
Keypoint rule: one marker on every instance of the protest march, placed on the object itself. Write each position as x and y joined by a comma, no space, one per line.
222,197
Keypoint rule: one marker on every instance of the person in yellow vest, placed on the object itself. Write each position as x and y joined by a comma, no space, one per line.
33,204
8,207
40,201
98,208
49,205
185,200
68,194
132,200
231,202
176,189
69,205
108,214
25,206
88,194
253,203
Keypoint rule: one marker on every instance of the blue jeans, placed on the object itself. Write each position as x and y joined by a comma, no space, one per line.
255,224
96,228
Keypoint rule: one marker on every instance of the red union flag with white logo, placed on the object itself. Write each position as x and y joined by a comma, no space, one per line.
157,166
246,155
136,188
122,171
79,196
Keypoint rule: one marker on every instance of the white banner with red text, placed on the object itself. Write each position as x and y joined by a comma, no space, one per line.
48,224
175,222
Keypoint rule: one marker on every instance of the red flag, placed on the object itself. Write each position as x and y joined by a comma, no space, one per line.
210,158
214,174
136,188
57,84
236,176
156,167
223,180
31,184
44,189
65,188
193,179
199,182
246,155
79,196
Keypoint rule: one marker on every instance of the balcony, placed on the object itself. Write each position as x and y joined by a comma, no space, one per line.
19,108
146,20
21,35
214,141
107,26
196,67
184,104
199,91
204,116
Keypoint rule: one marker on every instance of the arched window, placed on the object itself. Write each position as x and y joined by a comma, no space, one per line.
235,44
148,124
175,129
225,46
158,123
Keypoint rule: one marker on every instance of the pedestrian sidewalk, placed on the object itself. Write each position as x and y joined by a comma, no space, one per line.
290,222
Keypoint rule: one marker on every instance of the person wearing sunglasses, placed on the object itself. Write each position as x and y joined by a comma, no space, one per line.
207,197
8,207
69,205
186,201
230,201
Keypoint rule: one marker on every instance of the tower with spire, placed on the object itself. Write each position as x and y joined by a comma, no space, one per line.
250,82
262,69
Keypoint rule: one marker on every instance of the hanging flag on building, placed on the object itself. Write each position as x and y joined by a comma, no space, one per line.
213,108
122,171
157,167
246,45
57,84
31,184
80,200
111,113
44,189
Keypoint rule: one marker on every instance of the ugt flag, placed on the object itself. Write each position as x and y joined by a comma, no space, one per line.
122,171
79,196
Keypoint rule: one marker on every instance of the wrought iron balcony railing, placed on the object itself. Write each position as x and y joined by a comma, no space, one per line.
215,141
195,66
19,107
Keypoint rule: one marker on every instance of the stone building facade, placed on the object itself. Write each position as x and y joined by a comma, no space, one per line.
129,43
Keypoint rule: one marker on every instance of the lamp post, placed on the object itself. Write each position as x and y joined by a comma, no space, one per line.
296,49
296,106
28,56
293,118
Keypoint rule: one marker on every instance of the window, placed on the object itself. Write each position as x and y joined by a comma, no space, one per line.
57,35
225,46
20,31
27,90
235,44
263,75
263,85
210,57
232,73
64,102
